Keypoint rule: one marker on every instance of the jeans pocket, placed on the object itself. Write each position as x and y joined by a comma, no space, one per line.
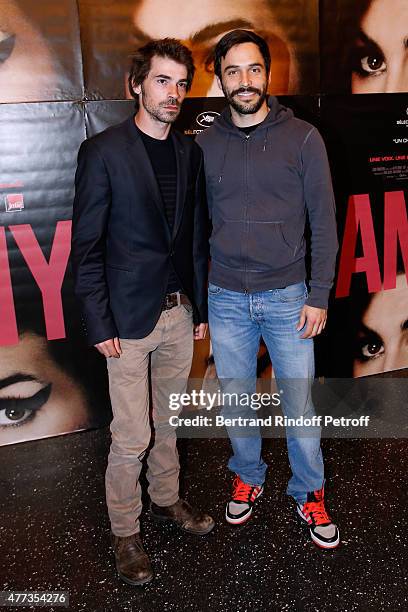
293,293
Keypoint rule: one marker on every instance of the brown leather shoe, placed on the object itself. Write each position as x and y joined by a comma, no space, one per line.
132,562
187,518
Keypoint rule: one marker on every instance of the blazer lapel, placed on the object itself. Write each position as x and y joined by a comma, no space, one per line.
182,176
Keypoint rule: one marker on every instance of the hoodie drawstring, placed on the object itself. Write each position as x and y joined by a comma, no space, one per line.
224,158
265,139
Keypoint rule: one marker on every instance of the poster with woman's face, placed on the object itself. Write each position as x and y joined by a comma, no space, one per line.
367,329
364,46
50,383
381,343
111,30
40,55
49,387
38,396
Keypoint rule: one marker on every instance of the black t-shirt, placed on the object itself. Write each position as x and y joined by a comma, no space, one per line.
163,159
250,128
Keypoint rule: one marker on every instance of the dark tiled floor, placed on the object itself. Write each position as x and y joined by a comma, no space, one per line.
54,532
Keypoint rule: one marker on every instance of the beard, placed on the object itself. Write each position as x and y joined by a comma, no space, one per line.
242,107
157,110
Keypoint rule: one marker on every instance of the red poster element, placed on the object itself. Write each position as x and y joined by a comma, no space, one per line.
14,202
48,275
8,323
395,228
358,218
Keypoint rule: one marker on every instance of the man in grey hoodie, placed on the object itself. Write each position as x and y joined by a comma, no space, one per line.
266,171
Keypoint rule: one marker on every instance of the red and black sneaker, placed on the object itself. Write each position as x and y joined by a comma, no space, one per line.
324,533
239,508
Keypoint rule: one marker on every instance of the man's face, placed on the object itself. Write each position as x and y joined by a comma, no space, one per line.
163,90
200,25
243,78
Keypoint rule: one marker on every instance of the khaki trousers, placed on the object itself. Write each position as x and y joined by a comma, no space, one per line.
169,348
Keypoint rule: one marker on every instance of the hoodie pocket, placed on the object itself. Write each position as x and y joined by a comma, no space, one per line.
267,247
226,242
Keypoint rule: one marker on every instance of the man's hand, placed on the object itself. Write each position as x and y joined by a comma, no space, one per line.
110,348
200,331
315,319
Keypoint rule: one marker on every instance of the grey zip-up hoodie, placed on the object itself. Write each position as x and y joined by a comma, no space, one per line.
260,188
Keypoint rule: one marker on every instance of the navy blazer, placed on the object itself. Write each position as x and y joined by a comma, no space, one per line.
121,242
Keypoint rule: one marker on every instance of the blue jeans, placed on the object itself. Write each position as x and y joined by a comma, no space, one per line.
237,322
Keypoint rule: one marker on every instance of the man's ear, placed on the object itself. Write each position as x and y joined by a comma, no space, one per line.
137,88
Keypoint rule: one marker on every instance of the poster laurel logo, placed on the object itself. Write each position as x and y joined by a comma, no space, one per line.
207,118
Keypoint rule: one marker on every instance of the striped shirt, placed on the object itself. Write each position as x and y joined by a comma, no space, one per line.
163,159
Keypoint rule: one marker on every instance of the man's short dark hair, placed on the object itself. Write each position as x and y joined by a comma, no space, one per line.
237,37
165,47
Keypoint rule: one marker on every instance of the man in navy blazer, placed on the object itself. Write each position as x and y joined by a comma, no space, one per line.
140,260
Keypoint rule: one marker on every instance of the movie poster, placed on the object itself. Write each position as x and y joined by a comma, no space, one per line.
66,62
49,382
363,46
40,52
100,115
368,321
111,30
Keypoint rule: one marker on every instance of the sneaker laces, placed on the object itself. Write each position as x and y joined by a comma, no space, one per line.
317,510
241,490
